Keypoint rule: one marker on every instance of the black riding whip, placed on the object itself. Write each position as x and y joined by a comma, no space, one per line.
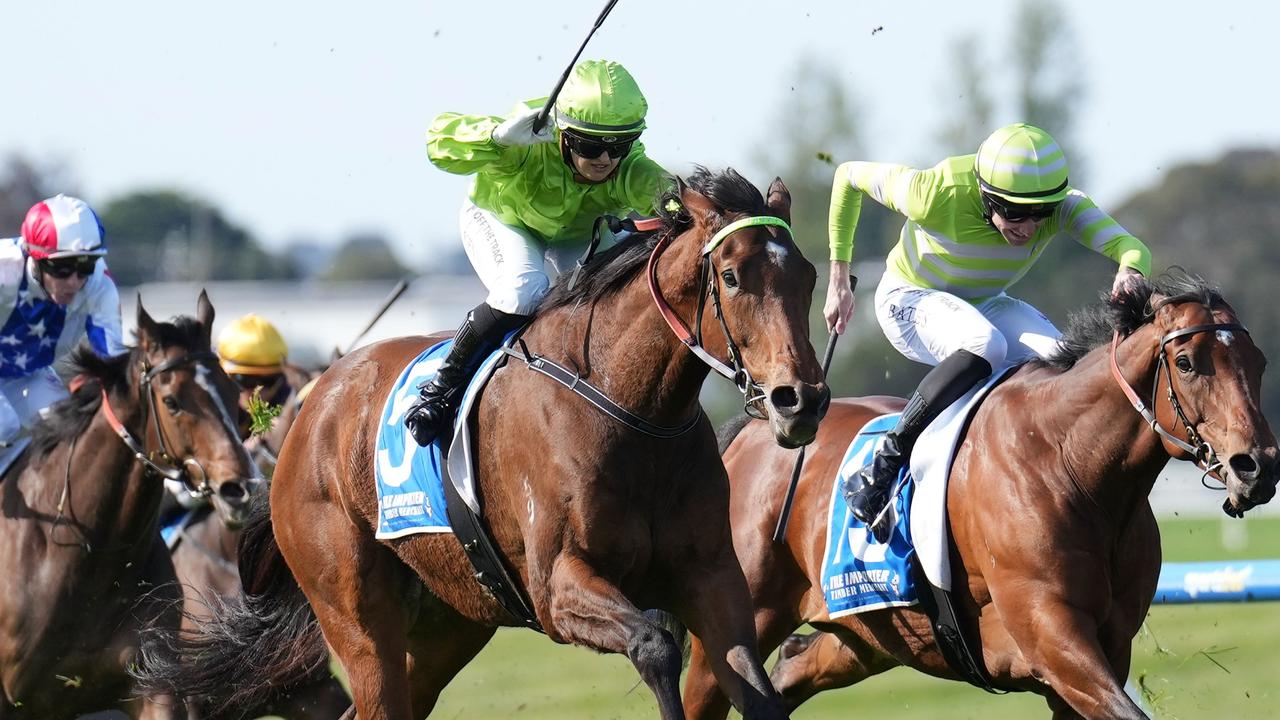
394,295
780,530
541,120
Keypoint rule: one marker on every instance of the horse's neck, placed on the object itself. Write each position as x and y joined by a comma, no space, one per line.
1111,453
622,344
115,499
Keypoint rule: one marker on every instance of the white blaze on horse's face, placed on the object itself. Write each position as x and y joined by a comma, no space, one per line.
777,253
1225,337
206,384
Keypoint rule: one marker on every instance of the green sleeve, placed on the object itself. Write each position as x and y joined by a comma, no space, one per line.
1095,229
644,181
842,218
463,145
900,188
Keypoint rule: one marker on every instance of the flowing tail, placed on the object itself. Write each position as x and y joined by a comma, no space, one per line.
254,648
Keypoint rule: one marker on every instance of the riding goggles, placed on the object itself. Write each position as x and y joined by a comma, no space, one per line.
248,382
1018,212
63,268
590,147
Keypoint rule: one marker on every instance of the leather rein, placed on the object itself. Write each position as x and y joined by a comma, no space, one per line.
734,370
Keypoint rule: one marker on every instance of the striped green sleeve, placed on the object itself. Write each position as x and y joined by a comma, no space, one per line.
1098,231
900,188
463,144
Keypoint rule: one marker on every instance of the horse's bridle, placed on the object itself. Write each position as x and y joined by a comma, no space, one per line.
1200,450
197,482
752,392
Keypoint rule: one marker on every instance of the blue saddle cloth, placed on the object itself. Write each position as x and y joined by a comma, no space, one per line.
408,478
858,573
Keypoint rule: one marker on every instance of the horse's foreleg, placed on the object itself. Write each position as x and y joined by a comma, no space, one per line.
355,586
1063,650
439,648
588,610
703,698
716,607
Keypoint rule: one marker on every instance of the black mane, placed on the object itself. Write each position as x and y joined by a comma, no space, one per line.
1094,325
68,418
613,268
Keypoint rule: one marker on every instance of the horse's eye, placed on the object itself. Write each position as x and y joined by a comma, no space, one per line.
1183,363
172,404
730,280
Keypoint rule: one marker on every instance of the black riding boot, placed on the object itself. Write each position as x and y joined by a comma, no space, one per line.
867,491
479,335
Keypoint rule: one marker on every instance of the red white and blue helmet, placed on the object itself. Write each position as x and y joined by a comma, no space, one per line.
63,226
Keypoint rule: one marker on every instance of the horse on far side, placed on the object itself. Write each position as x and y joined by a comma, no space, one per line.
1054,551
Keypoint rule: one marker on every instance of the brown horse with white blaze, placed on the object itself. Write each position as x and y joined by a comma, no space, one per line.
1055,552
595,518
80,554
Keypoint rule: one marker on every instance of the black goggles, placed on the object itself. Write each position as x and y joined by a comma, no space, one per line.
249,382
591,147
63,268
1018,212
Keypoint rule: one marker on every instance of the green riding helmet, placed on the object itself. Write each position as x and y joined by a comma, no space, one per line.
601,99
1022,164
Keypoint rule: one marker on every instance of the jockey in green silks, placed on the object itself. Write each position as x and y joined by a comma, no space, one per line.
535,197
975,225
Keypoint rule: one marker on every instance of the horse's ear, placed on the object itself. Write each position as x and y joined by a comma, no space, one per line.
779,199
148,329
204,313
699,206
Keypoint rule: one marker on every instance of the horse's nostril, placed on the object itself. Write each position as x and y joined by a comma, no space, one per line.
1244,466
232,492
783,397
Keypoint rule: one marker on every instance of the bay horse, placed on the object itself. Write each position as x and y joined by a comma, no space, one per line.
82,559
1055,551
204,559
594,518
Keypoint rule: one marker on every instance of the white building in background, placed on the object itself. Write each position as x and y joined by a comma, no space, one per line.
316,317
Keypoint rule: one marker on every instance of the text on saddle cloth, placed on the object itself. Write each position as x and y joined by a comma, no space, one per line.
411,497
860,574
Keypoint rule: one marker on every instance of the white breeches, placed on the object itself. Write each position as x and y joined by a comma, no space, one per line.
929,325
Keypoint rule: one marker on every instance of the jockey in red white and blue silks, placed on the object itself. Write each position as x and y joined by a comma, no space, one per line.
54,292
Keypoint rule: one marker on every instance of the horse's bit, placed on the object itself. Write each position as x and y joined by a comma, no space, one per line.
197,482
1200,450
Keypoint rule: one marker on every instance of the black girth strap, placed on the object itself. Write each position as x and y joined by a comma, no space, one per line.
491,572
957,646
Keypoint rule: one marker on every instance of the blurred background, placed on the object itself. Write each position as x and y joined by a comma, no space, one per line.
273,153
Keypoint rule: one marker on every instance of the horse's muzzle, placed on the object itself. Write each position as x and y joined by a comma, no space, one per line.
231,498
1254,474
795,411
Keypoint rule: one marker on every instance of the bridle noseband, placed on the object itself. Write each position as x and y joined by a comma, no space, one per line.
752,392
188,471
1197,447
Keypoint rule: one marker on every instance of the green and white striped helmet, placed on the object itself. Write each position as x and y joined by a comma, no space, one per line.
1022,164
601,98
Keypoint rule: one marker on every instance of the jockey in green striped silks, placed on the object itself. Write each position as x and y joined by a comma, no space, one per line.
975,225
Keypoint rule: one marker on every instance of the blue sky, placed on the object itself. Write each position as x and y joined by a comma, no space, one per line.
305,120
